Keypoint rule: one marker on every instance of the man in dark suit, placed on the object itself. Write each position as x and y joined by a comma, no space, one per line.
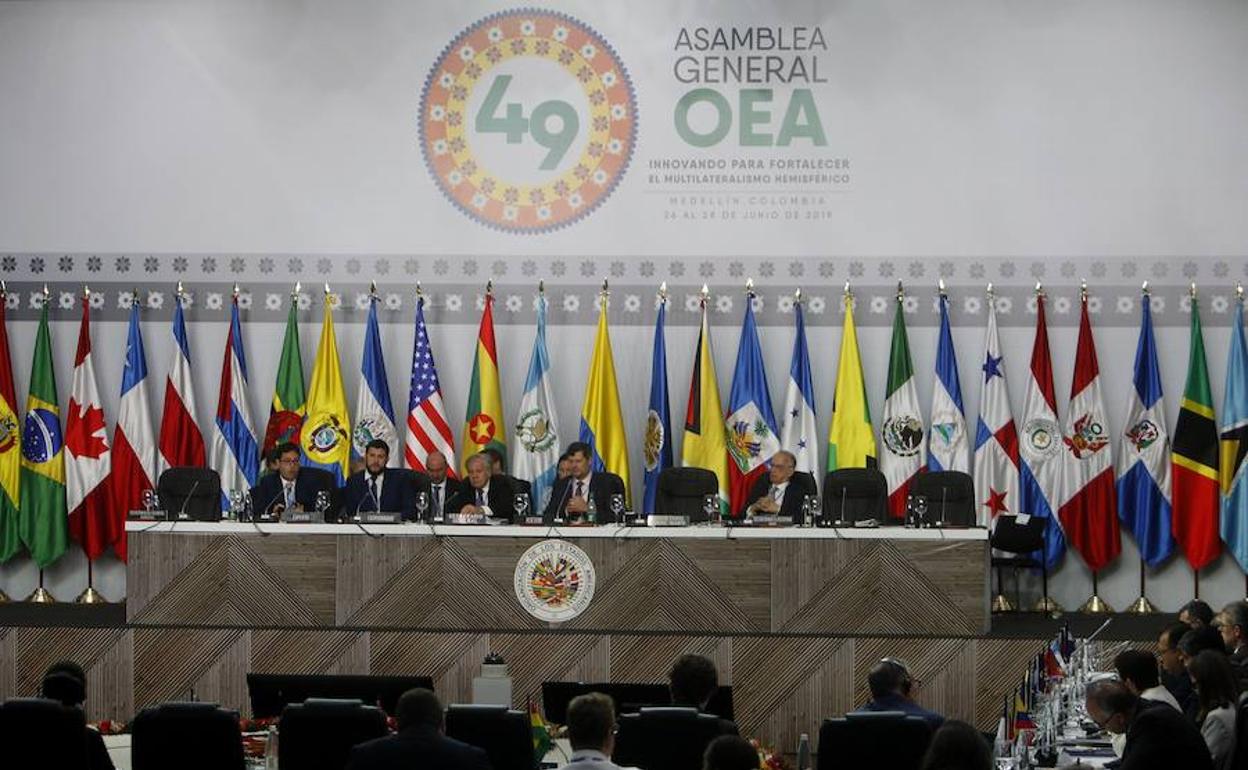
293,487
441,486
420,741
484,493
67,682
572,493
1157,736
692,681
378,488
777,493
892,689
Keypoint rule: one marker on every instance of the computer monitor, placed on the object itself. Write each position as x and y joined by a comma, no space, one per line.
629,697
271,692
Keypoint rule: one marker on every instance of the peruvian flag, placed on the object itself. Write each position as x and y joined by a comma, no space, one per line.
181,443
1089,506
904,451
134,443
93,521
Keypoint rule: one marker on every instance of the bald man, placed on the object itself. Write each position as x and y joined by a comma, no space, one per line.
441,486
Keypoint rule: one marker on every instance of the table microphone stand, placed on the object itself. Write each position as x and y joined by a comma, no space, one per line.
839,521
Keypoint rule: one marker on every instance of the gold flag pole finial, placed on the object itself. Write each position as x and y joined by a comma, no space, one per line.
705,294
1039,289
604,292
327,292
372,290
848,291
797,296
489,288
86,293
1239,292
4,287
990,292
420,292
1192,289
541,288
663,292
177,292
236,290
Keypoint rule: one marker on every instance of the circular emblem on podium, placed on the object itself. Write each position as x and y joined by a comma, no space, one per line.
554,581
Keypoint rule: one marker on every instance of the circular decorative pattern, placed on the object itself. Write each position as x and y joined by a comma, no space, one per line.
527,44
554,581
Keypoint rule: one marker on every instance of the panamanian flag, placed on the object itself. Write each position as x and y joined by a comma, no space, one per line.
996,440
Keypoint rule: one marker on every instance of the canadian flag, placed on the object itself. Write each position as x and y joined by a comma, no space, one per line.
92,519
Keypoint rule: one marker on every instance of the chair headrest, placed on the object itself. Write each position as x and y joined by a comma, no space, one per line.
687,481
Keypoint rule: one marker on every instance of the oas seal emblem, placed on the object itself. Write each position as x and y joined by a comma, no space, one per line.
554,581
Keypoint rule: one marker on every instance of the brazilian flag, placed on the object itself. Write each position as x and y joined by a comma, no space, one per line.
43,523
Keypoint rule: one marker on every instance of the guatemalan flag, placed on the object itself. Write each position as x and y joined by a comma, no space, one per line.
1144,465
535,442
996,440
798,435
658,444
946,439
235,453
134,442
181,443
1040,445
1089,498
374,412
751,425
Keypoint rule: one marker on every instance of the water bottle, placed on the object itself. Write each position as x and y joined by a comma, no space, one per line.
591,510
270,749
803,752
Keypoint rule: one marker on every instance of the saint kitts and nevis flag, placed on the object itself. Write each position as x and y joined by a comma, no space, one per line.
374,412
535,456
797,433
1194,468
602,421
1040,444
134,441
996,439
851,441
484,426
750,422
705,442
234,452
10,450
904,451
658,445
43,521
1232,468
326,435
289,405
93,521
1144,460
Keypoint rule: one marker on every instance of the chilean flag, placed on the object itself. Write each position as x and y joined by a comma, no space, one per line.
181,443
235,453
93,521
752,435
134,443
1089,501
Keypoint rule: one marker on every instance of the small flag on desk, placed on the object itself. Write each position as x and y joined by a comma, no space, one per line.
43,522
750,422
537,444
10,449
602,422
91,519
657,449
428,429
134,442
1194,480
374,412
235,454
1233,470
181,443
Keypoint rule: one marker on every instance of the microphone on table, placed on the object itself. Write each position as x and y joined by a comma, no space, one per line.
944,492
840,516
185,502
356,518
563,500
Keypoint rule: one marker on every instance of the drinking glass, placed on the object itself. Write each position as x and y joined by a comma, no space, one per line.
322,501
422,505
710,506
617,507
520,501
149,500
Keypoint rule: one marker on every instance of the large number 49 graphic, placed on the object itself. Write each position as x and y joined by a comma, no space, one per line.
514,125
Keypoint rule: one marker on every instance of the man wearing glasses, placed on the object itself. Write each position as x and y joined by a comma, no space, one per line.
1157,736
777,493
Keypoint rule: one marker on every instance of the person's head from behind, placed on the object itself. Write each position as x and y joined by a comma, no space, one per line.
890,677
693,680
1196,614
1137,669
1111,705
730,752
419,707
591,723
957,745
1197,641
1214,680
66,682
1168,648
287,461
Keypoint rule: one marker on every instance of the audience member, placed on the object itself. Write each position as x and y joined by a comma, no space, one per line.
957,746
1138,671
1157,736
1196,614
591,730
1173,675
67,682
730,752
892,689
692,681
1218,692
564,469
420,741
1197,641
1232,623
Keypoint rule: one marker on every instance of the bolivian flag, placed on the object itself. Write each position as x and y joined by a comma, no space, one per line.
706,441
483,420
10,451
44,520
851,441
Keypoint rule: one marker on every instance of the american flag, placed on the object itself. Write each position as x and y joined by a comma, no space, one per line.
427,428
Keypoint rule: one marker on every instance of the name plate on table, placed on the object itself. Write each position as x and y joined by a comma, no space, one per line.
532,521
303,517
769,521
152,515
379,517
467,518
666,520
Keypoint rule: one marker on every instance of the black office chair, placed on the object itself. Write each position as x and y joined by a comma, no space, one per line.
420,483
873,739
855,494
326,482
37,732
194,491
682,490
1025,544
950,497
665,738
505,734
319,734
195,736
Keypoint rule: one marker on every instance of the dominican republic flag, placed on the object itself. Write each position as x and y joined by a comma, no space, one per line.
996,440
799,433
1144,465
92,520
535,442
134,441
235,454
427,426
903,451
1089,499
374,412
946,438
181,443
1040,445
657,448
751,425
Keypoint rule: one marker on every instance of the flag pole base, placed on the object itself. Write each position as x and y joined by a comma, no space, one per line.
91,596
1048,604
1142,606
41,595
1001,603
1095,605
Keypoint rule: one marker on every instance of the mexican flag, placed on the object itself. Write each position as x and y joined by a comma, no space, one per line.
44,520
903,451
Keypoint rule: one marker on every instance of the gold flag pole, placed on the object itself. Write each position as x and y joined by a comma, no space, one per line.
1142,606
1095,605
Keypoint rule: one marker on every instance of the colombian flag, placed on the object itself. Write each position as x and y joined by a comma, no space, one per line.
483,420
44,521
706,441
326,434
851,442
602,424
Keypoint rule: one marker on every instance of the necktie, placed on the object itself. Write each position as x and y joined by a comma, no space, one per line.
437,497
775,493
290,494
372,488
480,497
580,488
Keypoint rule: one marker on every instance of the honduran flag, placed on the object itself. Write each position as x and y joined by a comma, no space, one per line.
134,442
798,432
1040,443
181,443
750,422
1144,464
92,520
1089,499
996,439
946,439
235,452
